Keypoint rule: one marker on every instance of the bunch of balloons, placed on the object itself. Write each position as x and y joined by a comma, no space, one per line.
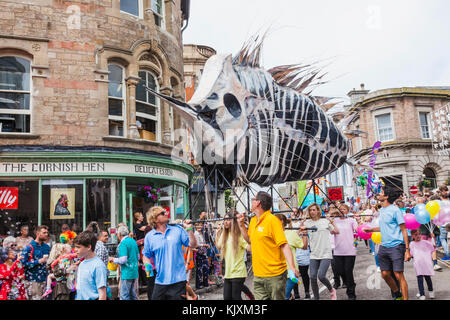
435,211
377,183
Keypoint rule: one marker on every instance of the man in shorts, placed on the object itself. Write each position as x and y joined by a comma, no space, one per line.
394,248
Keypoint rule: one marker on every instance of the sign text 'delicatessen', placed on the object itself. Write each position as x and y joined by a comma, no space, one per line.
102,168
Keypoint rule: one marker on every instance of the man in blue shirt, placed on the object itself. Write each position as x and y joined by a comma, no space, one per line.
34,259
394,248
128,260
164,244
91,274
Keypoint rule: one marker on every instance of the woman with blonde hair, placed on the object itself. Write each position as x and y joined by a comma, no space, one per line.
320,245
232,249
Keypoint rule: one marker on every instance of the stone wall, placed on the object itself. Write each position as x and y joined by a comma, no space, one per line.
408,154
69,66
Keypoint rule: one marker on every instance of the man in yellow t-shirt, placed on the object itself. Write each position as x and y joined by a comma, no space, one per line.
270,250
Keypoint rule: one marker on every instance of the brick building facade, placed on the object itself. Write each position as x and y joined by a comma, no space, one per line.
72,76
400,119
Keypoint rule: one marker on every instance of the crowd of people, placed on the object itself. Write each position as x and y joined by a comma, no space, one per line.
285,252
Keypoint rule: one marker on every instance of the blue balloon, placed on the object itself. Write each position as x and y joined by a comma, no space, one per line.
419,207
422,216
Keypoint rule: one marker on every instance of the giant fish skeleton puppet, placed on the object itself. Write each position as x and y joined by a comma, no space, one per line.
262,121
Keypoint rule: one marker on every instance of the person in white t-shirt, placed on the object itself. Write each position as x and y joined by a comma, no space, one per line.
320,244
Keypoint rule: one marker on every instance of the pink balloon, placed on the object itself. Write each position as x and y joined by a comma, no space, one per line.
444,215
362,234
410,221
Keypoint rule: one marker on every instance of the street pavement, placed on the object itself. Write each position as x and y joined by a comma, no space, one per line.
369,284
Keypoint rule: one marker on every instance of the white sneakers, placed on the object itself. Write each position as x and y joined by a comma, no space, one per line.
437,267
378,269
430,294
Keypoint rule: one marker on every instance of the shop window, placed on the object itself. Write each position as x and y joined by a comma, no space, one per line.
147,108
116,100
15,83
27,208
179,203
98,202
158,12
133,7
62,203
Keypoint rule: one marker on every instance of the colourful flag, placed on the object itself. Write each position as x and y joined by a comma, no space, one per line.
301,188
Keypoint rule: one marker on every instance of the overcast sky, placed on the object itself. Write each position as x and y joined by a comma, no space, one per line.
383,44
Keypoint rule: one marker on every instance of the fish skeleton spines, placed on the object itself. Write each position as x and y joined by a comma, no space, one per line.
299,128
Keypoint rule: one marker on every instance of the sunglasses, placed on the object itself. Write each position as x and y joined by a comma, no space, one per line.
164,213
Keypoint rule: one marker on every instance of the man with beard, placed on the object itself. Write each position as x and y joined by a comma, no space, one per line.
34,260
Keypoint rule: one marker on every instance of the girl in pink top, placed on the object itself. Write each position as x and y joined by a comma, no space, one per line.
421,251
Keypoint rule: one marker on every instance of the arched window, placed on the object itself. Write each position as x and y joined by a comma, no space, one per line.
15,97
116,100
429,178
147,108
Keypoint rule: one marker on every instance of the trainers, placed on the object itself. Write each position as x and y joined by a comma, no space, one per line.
336,286
418,295
333,294
378,269
437,267
422,298
431,294
307,297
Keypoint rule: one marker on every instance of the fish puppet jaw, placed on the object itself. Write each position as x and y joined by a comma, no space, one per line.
219,103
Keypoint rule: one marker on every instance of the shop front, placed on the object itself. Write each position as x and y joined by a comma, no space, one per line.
75,188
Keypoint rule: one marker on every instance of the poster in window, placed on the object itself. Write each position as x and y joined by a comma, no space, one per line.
62,203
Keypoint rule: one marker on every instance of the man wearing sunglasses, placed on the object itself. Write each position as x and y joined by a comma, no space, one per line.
270,250
164,244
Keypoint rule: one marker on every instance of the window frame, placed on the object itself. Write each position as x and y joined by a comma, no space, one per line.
28,112
157,106
428,119
161,15
140,10
378,129
122,118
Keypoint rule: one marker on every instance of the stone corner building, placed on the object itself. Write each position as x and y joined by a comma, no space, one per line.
400,119
75,119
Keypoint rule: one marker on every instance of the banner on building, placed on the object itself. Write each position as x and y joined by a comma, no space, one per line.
9,198
440,130
301,188
336,193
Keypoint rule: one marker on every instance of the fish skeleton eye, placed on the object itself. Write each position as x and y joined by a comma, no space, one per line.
213,96
232,104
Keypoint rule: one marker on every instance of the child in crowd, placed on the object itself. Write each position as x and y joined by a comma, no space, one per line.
421,251
201,259
60,253
61,261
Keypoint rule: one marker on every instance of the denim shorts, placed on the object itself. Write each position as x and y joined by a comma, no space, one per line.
392,259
